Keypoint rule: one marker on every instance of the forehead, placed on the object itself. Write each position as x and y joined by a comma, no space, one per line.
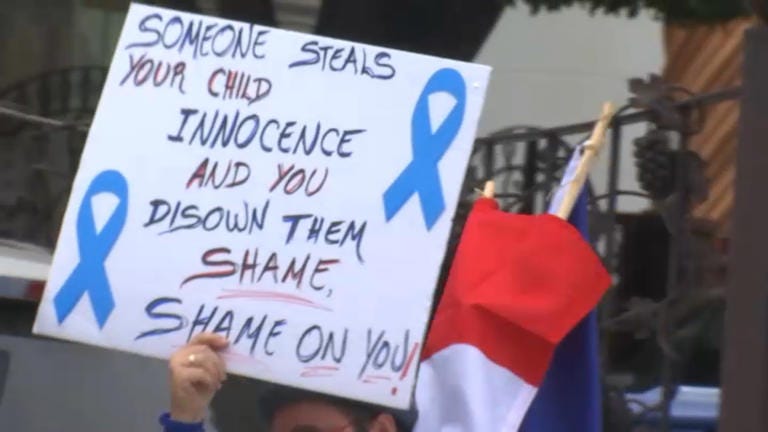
321,415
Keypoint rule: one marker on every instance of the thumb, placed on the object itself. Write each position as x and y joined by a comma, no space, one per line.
219,343
213,340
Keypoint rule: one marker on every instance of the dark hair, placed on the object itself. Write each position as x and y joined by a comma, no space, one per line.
236,407
247,405
278,397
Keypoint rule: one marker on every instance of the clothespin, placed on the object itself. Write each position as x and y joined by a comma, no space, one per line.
489,191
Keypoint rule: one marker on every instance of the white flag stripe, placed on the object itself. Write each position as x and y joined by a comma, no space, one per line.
460,390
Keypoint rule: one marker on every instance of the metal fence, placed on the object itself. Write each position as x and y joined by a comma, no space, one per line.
43,124
671,311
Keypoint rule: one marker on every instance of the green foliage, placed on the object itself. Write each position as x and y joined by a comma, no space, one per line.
669,10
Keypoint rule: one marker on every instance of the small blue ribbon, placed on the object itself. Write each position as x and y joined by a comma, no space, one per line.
90,276
421,176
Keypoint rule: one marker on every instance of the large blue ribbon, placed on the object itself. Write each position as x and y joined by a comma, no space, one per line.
90,276
421,176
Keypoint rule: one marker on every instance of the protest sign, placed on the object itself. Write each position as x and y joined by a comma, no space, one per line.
293,193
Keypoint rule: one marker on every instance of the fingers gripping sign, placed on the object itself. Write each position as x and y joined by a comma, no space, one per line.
197,372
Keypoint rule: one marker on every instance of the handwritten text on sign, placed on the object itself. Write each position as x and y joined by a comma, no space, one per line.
289,192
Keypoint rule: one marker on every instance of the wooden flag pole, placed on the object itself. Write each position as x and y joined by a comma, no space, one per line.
590,151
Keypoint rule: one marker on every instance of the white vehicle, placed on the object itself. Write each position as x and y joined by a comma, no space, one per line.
48,385
20,265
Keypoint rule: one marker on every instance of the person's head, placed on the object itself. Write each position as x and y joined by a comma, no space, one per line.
298,411
245,405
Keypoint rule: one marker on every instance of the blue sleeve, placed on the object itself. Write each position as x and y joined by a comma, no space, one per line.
171,425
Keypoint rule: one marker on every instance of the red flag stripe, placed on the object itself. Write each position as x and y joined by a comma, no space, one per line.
518,284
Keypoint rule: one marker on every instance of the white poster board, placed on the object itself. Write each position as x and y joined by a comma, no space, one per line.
291,192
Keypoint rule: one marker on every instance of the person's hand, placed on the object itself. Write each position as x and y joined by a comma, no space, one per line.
197,372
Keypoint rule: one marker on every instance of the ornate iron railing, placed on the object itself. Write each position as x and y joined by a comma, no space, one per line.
527,163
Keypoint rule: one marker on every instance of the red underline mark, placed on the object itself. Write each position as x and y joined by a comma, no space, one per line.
379,377
272,296
376,379
319,371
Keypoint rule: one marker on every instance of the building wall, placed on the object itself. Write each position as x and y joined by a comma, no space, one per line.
33,37
558,68
38,36
706,58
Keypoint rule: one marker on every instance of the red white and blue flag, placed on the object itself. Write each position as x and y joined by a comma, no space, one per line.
517,286
570,397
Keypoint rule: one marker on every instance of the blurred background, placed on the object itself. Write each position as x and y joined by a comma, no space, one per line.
662,195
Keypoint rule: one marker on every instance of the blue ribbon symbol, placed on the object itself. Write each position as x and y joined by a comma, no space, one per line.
90,276
421,176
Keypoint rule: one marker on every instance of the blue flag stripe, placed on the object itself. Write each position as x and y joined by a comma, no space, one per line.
570,398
